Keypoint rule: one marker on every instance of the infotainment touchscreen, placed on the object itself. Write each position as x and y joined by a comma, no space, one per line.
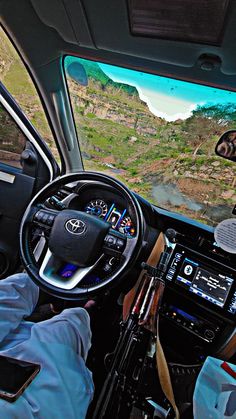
213,287
195,276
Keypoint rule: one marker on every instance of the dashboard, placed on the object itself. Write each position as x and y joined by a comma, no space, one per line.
199,303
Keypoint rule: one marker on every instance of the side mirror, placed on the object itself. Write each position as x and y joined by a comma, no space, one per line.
77,72
226,146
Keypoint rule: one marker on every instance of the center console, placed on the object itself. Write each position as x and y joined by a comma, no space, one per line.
200,297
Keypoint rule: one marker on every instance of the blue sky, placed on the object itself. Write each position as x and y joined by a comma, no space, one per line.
167,98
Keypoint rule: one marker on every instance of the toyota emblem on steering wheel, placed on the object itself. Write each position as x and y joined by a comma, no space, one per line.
75,226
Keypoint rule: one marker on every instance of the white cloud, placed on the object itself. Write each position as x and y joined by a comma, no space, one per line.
168,107
168,98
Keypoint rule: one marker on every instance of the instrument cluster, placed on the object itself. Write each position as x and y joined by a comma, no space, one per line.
119,218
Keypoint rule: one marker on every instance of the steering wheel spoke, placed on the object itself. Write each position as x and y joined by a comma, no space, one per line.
61,275
129,248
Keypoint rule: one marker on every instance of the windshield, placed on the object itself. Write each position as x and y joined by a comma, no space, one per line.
157,135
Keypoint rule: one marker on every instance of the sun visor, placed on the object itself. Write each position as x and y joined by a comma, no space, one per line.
199,21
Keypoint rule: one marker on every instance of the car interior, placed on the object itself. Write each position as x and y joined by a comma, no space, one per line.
139,198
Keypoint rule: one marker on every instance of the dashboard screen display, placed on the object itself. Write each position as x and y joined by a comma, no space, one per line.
119,219
212,286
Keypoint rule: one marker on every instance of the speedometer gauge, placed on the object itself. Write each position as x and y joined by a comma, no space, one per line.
127,226
97,207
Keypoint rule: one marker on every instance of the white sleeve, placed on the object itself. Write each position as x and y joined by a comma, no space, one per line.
71,328
18,297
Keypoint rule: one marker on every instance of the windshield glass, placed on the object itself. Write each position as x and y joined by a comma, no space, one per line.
157,135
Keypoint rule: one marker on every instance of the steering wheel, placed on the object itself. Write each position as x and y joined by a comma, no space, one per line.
75,244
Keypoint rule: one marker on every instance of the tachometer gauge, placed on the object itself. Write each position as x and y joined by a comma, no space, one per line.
97,207
127,227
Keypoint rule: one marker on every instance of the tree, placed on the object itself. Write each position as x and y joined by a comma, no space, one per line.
222,113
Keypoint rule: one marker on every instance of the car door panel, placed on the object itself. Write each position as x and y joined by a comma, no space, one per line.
14,197
18,193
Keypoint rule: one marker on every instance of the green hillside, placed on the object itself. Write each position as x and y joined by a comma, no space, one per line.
119,135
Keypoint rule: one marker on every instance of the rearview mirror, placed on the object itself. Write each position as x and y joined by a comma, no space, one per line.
226,146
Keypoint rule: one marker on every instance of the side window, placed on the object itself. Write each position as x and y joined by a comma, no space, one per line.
12,140
15,78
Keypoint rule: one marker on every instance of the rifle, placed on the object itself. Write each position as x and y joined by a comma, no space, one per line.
134,350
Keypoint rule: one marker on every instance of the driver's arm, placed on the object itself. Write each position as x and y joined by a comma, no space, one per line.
64,387
18,298
71,328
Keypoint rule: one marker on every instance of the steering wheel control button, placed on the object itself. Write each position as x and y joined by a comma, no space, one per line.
56,203
120,244
114,243
110,241
50,220
38,216
44,217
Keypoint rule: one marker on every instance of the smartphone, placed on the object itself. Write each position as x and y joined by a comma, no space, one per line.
15,376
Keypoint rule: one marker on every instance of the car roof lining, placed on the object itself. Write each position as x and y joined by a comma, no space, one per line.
101,31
